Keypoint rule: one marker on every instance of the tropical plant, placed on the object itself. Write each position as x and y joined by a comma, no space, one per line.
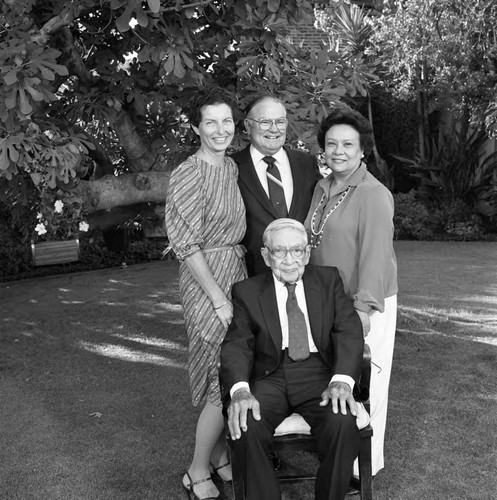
350,31
458,171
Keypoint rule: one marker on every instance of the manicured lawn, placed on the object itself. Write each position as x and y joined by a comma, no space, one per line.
94,400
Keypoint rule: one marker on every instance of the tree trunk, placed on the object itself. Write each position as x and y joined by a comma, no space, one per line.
381,165
129,189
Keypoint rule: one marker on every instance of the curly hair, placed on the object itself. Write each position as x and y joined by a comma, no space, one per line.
208,97
352,118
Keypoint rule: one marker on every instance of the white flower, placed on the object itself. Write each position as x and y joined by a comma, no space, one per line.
58,205
39,216
83,226
40,229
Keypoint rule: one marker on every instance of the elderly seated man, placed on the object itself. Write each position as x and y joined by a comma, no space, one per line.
295,344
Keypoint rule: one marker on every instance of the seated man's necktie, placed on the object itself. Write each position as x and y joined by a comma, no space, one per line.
298,343
276,192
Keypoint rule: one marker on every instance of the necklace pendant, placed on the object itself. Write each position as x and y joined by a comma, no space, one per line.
315,240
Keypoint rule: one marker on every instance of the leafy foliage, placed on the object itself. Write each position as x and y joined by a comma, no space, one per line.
444,49
108,80
460,171
412,221
60,217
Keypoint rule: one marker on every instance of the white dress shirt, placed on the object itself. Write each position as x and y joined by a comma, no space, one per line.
281,298
283,165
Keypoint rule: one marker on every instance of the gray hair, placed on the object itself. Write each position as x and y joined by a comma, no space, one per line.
279,225
262,98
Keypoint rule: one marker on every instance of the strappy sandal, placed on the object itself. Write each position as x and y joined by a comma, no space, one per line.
189,489
215,470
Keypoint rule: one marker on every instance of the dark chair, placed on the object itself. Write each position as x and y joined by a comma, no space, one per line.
294,435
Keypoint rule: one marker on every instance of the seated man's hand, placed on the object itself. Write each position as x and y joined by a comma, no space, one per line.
340,395
241,402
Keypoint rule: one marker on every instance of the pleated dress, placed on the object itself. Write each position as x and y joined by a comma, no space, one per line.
205,212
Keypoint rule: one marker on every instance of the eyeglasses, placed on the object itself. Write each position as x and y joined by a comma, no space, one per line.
281,253
266,123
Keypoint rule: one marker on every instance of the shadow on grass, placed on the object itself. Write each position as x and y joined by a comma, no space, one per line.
94,387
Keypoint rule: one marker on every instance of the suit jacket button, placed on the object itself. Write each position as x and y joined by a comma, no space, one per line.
267,372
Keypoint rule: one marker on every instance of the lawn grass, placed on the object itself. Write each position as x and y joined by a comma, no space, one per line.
94,400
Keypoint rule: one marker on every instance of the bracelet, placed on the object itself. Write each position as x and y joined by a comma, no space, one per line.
219,307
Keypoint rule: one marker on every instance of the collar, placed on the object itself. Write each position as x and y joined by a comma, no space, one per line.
354,180
257,156
358,176
278,285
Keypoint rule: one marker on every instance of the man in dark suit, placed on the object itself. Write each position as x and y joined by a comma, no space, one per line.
295,343
287,191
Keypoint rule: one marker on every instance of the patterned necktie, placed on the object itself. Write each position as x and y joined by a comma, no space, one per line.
298,343
276,192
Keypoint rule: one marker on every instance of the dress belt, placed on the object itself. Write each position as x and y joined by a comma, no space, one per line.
240,250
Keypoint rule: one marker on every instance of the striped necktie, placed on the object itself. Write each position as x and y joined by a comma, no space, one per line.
276,192
298,343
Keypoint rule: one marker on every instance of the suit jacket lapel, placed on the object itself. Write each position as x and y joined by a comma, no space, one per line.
248,176
313,299
269,307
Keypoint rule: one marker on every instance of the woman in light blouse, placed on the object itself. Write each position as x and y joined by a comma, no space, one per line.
350,225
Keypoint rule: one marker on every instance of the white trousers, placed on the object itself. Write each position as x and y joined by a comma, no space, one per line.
380,339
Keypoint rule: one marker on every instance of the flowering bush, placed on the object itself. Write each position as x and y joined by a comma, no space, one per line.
60,217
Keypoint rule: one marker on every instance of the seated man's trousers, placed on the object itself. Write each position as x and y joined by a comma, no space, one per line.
297,387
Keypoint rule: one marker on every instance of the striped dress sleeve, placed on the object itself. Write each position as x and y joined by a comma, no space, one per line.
185,209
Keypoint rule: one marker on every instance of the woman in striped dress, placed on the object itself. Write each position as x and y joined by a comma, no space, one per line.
205,220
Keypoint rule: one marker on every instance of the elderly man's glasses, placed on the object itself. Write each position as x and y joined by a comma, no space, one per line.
281,253
265,123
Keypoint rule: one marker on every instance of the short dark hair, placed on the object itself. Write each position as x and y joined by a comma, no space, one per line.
352,118
208,97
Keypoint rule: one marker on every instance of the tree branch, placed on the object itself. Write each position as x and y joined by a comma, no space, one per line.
129,189
65,18
75,64
187,6
140,155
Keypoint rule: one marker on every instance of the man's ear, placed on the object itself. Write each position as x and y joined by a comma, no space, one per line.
265,256
246,125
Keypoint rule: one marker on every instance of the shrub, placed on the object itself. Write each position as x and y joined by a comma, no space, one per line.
412,221
16,261
15,256
458,171
459,222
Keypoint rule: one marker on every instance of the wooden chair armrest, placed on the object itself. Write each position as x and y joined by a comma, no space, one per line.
365,375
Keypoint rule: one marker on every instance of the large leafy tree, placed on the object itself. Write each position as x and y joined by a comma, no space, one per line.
443,54
92,91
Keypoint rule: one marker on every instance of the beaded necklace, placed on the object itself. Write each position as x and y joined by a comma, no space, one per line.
317,233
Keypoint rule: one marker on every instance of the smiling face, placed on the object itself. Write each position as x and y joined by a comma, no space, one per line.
216,128
268,142
288,269
342,149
